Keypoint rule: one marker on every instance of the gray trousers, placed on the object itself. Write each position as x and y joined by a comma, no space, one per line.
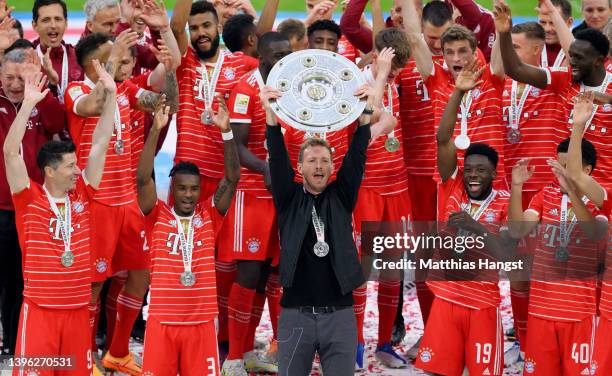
332,335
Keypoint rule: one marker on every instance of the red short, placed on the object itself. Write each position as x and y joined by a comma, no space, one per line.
373,206
456,337
117,239
188,350
602,354
208,187
423,197
249,231
559,348
62,333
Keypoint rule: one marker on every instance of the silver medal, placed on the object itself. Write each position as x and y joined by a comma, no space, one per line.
562,254
321,249
206,117
514,136
392,144
119,148
187,279
67,259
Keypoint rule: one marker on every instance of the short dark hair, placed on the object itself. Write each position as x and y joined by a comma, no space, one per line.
457,33
42,3
88,44
52,153
19,44
329,25
311,142
483,149
396,39
236,31
596,38
532,30
203,6
566,8
291,28
266,39
184,168
17,25
589,154
437,13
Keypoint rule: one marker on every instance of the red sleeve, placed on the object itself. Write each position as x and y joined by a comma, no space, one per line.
74,91
132,91
357,34
240,103
497,82
23,198
559,78
142,80
151,218
54,118
215,217
607,204
537,203
433,79
251,63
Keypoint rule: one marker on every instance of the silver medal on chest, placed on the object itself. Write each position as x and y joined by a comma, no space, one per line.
188,279
119,148
67,259
562,254
206,117
321,249
392,144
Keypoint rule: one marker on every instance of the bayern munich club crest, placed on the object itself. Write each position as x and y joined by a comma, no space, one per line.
34,112
101,265
425,354
529,365
229,73
253,245
197,222
607,107
78,207
535,91
476,93
123,100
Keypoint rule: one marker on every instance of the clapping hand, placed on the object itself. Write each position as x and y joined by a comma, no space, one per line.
221,118
469,77
34,87
522,172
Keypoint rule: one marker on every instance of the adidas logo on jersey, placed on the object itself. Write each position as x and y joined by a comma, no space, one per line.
486,372
554,212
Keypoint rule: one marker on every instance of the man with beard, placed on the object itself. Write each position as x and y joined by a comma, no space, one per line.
49,20
465,315
205,70
555,16
245,227
587,55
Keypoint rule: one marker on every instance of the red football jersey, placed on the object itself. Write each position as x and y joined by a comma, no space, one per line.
117,186
553,296
196,142
484,114
47,282
605,301
473,294
560,80
171,302
417,117
346,49
541,124
245,108
385,171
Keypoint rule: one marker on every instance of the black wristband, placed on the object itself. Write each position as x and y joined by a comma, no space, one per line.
367,111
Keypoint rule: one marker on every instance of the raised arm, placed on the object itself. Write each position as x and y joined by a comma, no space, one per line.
180,15
247,158
378,20
467,79
156,17
583,108
16,171
231,163
420,51
350,174
104,129
590,226
281,172
520,222
147,194
163,79
563,30
320,11
268,15
356,32
513,66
